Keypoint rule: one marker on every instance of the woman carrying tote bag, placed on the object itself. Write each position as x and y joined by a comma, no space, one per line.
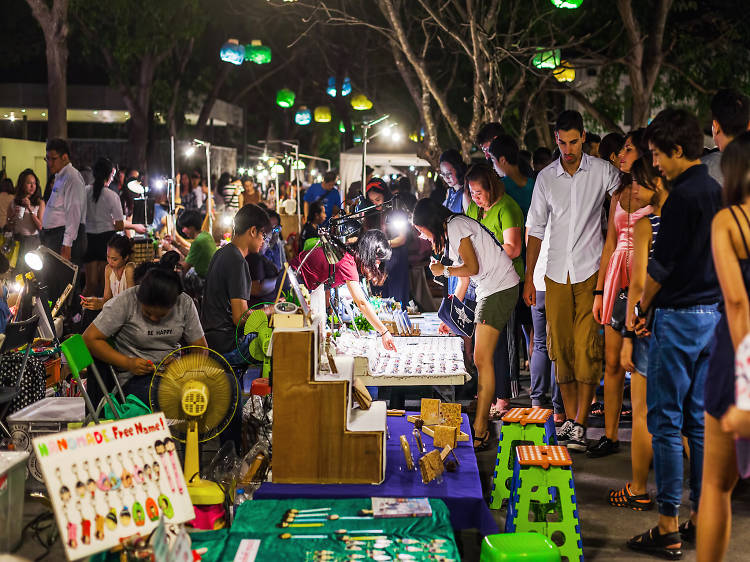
477,256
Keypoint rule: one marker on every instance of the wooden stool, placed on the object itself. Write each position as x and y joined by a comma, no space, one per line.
521,547
520,426
543,486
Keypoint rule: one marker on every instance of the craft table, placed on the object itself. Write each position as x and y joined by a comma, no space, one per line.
461,491
362,366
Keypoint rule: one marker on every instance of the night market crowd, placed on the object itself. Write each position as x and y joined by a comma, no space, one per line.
616,257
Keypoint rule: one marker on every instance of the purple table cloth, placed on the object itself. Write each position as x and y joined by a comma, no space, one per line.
461,491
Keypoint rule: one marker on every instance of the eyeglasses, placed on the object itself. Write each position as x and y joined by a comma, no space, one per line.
52,158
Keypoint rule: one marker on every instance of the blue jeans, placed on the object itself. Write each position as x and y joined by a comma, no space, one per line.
677,366
541,367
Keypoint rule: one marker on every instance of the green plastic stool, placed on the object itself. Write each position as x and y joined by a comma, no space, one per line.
543,487
79,358
520,426
512,547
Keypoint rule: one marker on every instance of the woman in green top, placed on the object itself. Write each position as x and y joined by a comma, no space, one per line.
501,215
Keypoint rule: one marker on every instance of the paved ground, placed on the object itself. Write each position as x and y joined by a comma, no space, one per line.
604,528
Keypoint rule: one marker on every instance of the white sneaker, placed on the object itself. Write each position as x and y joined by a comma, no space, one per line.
563,434
577,440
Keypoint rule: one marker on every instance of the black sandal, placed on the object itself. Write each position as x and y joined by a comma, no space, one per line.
625,497
596,409
687,531
484,442
652,542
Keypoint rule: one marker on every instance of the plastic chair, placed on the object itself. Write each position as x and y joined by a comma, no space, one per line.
17,334
526,547
79,358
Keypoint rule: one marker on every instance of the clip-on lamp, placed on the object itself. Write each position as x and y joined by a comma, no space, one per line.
36,296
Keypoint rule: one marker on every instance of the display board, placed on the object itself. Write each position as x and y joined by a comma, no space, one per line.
111,481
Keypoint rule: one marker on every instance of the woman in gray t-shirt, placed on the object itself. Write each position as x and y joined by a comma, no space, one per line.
145,324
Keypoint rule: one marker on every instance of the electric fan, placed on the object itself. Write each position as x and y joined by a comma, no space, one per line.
257,322
197,390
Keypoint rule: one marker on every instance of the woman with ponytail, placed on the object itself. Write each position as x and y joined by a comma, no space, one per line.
104,217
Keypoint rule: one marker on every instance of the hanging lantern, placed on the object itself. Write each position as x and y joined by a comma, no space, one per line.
285,98
303,116
232,52
331,88
346,87
298,165
361,103
342,129
565,72
413,136
258,53
546,59
278,169
569,4
322,114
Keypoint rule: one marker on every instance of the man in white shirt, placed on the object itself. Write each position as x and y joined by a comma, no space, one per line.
63,226
567,201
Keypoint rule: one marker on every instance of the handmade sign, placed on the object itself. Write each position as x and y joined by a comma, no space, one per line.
109,482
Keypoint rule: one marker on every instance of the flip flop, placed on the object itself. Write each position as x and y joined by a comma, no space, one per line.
484,442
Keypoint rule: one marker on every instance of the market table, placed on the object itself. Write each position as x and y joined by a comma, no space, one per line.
461,491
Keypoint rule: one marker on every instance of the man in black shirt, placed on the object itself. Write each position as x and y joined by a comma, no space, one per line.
682,288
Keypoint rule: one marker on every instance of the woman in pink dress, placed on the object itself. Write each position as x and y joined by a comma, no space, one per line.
617,261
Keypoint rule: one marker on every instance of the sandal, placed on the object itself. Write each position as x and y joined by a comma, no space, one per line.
668,546
626,498
597,409
626,414
687,531
484,442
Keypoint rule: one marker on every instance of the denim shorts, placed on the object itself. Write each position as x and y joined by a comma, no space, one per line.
640,354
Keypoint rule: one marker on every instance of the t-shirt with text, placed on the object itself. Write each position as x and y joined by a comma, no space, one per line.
133,335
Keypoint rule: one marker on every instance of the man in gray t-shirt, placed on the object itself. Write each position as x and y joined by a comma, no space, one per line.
134,336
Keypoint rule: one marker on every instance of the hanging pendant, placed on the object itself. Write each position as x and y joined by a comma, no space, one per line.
111,519
139,515
125,516
86,531
151,509
72,535
166,506
138,475
127,479
99,523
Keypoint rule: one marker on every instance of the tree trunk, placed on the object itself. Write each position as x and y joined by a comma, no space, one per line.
57,89
138,101
54,23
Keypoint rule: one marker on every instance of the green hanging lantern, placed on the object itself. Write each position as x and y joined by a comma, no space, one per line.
569,4
285,98
342,129
258,53
547,59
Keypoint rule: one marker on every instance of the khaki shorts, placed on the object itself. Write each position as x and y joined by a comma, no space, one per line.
575,341
495,309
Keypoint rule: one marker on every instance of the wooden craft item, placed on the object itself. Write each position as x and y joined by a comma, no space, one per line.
407,452
361,394
451,414
429,411
428,430
395,412
431,466
443,435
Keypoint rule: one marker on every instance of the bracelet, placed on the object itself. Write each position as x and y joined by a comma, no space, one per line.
597,292
381,335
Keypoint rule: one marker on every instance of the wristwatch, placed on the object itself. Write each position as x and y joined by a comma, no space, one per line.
640,312
445,271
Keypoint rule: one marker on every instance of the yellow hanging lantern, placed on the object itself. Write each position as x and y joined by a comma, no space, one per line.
323,114
565,72
361,103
